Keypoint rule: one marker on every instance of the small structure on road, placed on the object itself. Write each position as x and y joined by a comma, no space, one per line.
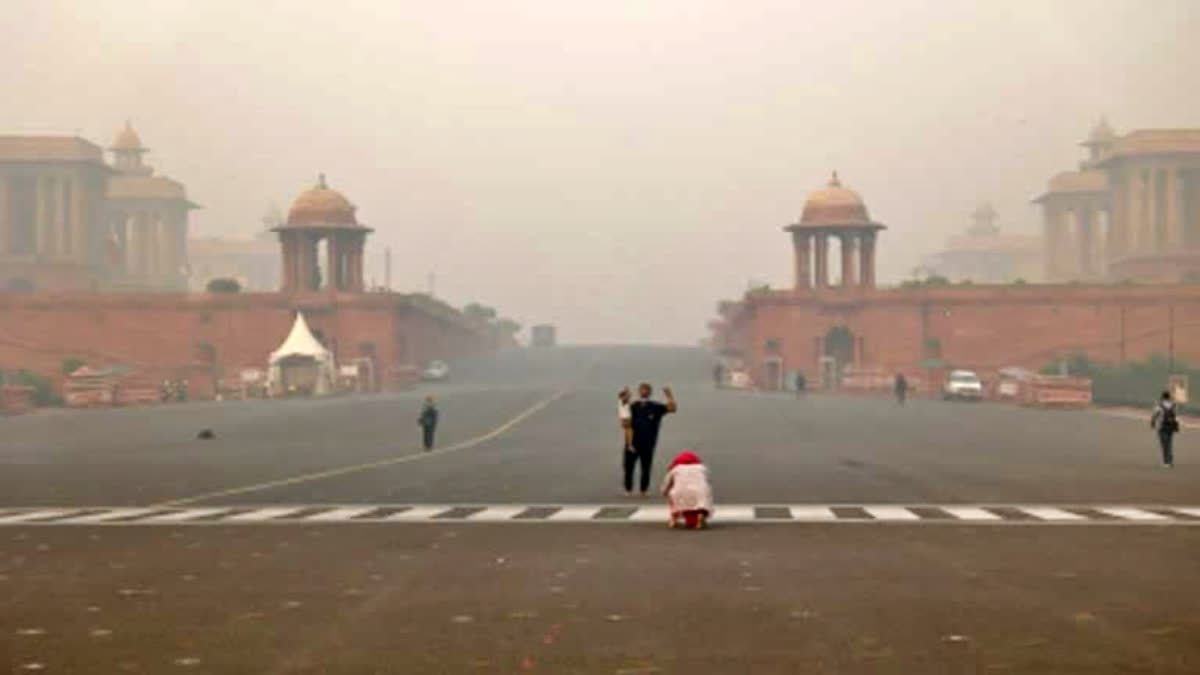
302,366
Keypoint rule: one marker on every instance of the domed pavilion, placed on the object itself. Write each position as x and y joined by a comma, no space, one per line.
834,211
322,213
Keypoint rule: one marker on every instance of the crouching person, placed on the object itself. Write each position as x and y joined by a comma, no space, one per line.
688,492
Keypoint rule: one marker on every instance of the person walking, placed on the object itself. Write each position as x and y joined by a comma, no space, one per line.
801,383
428,422
1165,420
645,418
901,388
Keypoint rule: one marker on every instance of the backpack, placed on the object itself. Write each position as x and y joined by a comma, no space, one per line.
1169,422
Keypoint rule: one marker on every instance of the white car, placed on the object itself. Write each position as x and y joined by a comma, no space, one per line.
436,371
963,385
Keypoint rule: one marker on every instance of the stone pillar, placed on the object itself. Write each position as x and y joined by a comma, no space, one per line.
848,260
333,260
802,247
359,248
866,258
1174,239
1146,218
1086,241
39,218
287,266
821,262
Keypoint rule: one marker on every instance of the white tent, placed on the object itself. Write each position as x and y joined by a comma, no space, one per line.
301,346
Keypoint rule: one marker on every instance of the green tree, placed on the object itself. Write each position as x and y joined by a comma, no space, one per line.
223,285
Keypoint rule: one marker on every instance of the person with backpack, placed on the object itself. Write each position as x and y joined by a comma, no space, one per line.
1166,420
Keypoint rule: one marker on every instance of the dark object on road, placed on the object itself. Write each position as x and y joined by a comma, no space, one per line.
206,435
1166,420
901,388
801,383
428,422
645,416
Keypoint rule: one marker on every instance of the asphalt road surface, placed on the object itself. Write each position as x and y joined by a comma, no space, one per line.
308,563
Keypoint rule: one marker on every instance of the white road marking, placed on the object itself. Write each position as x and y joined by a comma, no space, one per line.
575,514
969,513
646,514
418,513
1050,513
1130,513
32,515
815,513
338,515
998,514
185,515
734,514
497,513
258,515
890,513
104,516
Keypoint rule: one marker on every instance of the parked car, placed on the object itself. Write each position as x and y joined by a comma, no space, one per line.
436,371
963,385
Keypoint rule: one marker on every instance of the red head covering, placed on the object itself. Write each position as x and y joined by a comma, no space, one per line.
685,457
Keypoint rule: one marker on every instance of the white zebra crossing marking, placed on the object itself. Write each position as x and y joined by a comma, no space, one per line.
890,513
1131,513
185,515
105,516
27,516
969,513
814,513
339,515
1050,513
649,514
575,513
998,514
418,513
497,513
735,514
259,515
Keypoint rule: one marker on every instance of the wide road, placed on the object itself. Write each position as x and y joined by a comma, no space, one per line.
852,535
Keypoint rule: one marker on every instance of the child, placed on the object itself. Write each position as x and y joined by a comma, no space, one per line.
689,496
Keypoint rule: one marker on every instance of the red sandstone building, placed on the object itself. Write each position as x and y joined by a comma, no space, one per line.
1131,210
209,338
826,324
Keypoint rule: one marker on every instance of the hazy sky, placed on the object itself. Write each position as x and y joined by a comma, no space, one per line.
612,166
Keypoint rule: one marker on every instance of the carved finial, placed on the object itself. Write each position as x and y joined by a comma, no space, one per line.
834,182
321,182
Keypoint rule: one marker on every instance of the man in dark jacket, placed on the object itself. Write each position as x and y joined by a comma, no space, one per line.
901,388
1166,421
645,418
428,422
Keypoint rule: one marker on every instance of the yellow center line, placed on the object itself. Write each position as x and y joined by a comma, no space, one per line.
356,468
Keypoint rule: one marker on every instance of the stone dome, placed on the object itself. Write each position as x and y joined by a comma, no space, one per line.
127,139
322,205
834,205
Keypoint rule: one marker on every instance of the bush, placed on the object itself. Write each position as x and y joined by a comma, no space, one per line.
71,365
223,285
1133,383
43,392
